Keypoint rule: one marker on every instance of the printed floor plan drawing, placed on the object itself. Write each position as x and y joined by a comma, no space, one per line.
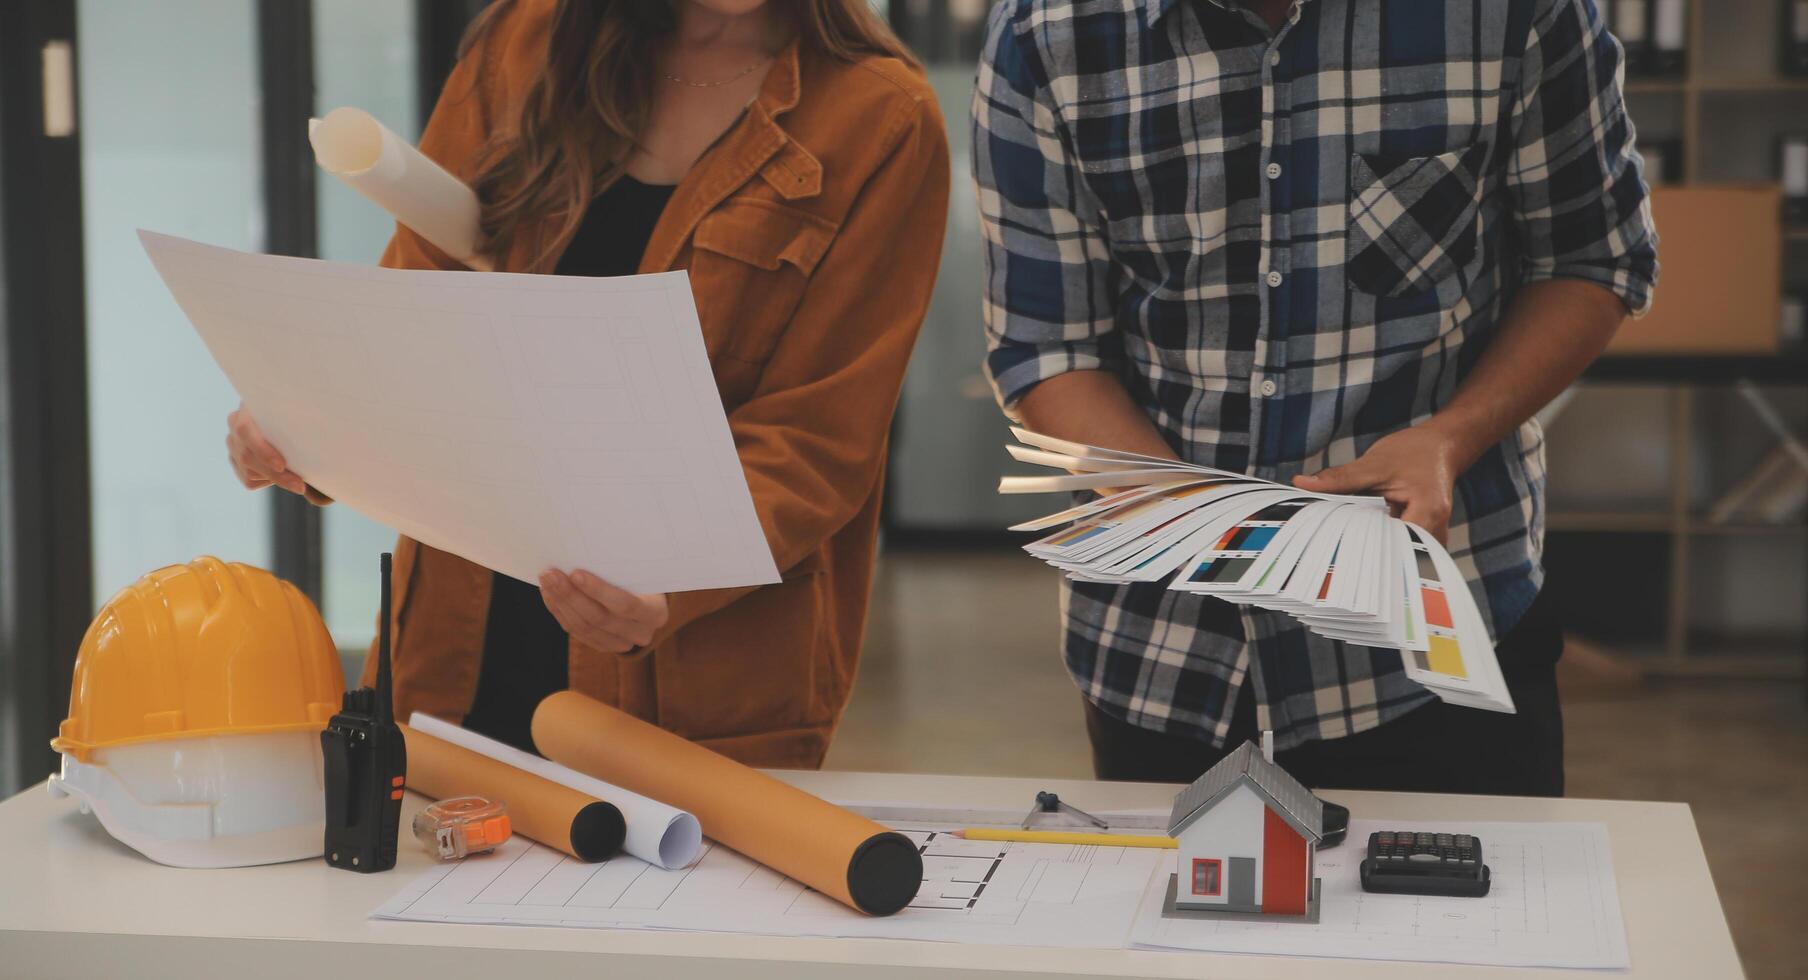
1554,901
973,891
956,872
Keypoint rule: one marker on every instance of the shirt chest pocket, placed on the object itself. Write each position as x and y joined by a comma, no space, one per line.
751,262
1412,221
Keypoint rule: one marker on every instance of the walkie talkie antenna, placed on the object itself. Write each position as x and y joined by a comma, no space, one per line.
385,708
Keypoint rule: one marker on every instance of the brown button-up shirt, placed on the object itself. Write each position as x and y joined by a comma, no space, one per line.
812,231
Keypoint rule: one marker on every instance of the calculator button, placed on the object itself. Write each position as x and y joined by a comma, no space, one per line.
1422,857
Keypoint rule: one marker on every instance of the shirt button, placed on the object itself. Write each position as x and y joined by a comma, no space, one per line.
1274,279
1274,170
1274,57
1268,388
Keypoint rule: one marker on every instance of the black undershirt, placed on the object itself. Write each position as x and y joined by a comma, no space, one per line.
526,653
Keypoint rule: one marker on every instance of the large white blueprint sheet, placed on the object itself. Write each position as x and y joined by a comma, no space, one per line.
1552,902
523,422
973,891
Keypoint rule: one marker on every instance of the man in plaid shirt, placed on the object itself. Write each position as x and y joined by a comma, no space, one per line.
1354,244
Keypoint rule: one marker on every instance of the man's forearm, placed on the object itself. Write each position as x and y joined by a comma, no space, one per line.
1549,335
1091,407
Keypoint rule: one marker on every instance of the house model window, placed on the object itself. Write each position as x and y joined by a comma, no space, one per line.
1206,880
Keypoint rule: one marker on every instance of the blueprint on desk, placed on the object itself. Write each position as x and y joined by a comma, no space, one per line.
1553,901
973,891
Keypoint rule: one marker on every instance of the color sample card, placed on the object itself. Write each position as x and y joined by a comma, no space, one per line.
1443,654
1237,550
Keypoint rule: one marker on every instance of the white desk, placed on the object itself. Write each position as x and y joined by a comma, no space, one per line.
76,904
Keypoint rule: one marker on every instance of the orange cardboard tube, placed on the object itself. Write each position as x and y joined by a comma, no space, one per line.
841,854
558,816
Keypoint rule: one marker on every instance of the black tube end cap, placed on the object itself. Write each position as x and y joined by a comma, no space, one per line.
884,873
597,831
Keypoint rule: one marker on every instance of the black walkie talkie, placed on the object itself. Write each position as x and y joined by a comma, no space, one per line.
366,765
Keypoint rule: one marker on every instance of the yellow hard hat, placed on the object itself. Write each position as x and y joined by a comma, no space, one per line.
206,648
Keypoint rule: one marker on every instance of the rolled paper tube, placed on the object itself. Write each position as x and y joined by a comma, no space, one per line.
657,833
843,855
558,816
353,146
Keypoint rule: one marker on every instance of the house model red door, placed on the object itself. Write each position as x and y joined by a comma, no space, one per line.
1285,881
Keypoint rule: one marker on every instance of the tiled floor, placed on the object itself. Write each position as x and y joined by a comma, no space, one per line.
961,676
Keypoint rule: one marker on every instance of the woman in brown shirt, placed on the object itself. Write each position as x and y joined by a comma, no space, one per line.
789,153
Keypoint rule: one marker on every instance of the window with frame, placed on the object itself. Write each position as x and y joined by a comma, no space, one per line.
1208,876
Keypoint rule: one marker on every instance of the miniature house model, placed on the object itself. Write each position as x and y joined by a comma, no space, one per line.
1247,834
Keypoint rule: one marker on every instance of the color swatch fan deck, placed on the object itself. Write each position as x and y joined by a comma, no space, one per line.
1341,565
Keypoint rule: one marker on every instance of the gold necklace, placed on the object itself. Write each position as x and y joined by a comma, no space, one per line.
737,76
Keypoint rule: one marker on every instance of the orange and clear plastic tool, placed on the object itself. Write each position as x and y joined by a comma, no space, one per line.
462,825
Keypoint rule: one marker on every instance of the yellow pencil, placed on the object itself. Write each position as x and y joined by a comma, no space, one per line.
1065,837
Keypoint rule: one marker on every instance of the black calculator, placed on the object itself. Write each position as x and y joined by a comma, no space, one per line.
1403,862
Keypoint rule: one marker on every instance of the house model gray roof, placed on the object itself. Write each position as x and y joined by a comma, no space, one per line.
1295,803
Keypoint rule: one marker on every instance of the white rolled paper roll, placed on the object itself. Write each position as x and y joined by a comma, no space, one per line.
353,146
657,834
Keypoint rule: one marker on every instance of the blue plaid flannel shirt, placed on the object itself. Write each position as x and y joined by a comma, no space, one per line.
1288,244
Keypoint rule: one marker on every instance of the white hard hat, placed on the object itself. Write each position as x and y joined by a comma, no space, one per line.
220,801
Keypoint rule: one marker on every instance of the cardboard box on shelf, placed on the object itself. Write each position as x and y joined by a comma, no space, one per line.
1719,290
